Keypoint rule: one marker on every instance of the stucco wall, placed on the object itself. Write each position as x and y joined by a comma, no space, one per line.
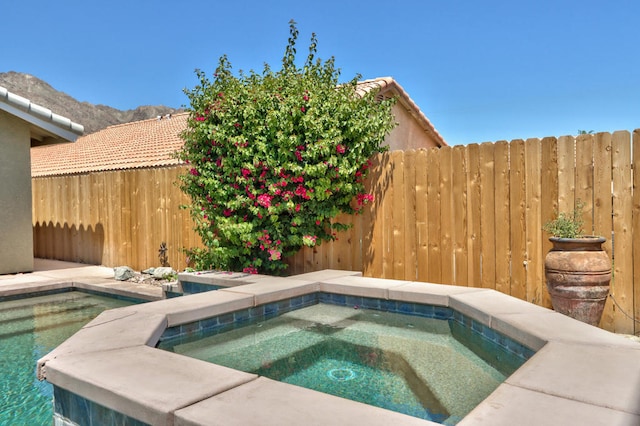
16,232
407,134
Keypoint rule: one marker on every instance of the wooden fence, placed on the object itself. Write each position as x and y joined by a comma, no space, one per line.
465,215
112,218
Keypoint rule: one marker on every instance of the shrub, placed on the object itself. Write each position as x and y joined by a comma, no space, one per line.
567,225
275,157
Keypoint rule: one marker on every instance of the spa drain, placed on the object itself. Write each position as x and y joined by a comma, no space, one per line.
341,374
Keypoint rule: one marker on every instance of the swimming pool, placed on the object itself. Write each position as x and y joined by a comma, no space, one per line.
30,328
418,363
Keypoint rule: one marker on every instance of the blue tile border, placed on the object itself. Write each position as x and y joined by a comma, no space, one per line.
396,306
36,294
69,290
189,287
81,411
236,319
469,331
134,300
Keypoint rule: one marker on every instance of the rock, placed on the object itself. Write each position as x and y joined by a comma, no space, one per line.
123,273
160,273
148,271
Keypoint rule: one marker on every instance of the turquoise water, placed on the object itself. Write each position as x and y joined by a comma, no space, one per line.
29,329
359,373
413,365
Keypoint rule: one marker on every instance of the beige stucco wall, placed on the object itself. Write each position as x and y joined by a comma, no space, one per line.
408,134
16,232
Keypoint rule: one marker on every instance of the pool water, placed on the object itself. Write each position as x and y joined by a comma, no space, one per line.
29,329
410,364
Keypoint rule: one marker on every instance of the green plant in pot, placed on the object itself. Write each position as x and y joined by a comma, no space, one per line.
577,269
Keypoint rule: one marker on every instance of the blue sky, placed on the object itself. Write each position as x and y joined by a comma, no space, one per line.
479,70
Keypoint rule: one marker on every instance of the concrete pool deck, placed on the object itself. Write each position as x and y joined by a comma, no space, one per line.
54,274
580,375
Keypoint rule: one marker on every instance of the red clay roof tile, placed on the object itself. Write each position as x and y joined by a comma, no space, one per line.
147,143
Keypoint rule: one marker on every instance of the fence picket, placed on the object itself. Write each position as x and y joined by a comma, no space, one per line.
422,207
460,231
474,205
501,212
446,215
487,215
434,259
620,239
397,217
635,229
409,216
535,257
518,208
549,196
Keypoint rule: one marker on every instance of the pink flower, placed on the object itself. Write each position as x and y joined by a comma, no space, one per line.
298,155
249,193
301,191
303,109
194,172
364,198
200,118
340,149
298,207
274,254
227,212
265,200
250,270
246,173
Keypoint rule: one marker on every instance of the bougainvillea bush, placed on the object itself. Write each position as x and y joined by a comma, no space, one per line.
274,157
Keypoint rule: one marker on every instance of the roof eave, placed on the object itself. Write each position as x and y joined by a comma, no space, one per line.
55,128
413,108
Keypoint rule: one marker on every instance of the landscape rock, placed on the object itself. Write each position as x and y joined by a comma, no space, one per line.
123,273
161,272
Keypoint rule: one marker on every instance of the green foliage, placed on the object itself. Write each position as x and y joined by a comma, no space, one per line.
275,157
567,225
170,277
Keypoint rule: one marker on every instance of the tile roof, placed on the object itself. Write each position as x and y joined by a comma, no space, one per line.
46,127
388,84
147,143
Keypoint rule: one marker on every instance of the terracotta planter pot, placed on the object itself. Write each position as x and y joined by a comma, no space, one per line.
578,272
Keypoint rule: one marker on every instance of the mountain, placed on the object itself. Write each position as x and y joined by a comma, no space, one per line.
92,117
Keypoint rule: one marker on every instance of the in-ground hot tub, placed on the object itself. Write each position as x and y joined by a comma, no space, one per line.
111,371
425,361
